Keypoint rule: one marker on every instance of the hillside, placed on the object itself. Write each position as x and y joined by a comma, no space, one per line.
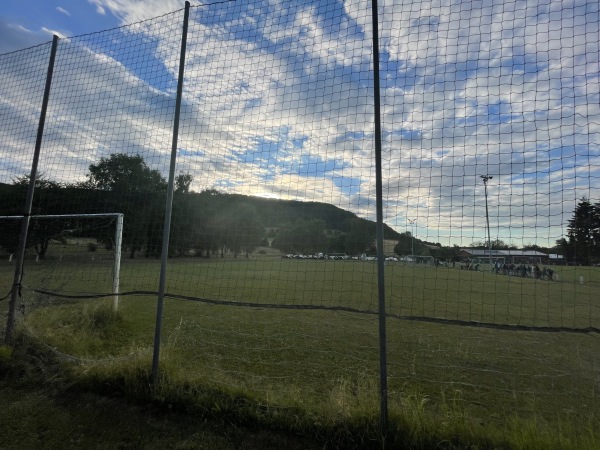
204,221
276,213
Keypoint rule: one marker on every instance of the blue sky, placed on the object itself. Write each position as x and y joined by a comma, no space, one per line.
278,102
25,24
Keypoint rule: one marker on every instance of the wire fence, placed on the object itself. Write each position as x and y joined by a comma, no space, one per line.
489,235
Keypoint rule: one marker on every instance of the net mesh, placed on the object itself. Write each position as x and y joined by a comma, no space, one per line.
66,255
490,169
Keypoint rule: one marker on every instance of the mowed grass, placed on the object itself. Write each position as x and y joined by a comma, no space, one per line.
419,290
323,365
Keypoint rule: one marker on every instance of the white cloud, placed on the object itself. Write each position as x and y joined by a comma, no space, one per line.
63,11
278,102
99,8
18,37
130,11
51,33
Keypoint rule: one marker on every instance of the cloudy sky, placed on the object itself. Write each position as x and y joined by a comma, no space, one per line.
278,102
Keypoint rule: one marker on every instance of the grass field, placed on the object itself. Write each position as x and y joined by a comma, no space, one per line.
321,366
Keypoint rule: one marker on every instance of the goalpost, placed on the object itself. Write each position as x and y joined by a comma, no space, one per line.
118,240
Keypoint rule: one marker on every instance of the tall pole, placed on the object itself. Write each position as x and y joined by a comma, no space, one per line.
20,256
412,221
169,204
486,178
383,386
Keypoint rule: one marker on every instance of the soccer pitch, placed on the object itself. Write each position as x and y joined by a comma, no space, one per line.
318,350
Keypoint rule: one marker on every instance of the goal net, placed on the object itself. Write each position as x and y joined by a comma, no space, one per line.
66,255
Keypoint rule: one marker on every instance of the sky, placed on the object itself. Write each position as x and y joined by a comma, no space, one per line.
24,25
278,102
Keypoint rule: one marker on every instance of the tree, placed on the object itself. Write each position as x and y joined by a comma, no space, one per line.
10,205
136,190
41,182
302,236
336,241
41,231
9,235
239,229
405,243
124,173
188,222
561,247
584,231
250,230
447,253
183,182
360,237
497,244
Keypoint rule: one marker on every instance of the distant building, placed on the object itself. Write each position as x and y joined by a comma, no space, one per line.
508,256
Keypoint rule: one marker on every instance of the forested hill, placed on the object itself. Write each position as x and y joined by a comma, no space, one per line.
272,212
204,221
276,213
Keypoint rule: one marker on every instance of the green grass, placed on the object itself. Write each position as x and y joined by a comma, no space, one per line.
42,408
410,291
317,371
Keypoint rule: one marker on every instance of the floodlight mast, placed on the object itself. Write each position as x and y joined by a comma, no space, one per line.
486,178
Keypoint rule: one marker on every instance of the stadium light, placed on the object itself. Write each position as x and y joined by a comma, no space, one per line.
412,221
486,178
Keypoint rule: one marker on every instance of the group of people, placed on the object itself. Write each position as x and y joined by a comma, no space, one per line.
524,270
469,265
519,270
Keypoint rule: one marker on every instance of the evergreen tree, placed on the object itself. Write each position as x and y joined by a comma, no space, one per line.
584,232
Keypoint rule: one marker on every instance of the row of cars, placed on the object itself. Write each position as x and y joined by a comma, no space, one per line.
337,256
332,256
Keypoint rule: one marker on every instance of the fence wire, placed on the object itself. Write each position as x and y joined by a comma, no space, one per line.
272,280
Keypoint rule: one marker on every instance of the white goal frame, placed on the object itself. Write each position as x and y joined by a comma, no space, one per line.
118,243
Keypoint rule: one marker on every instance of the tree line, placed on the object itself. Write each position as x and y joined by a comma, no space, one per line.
207,223
210,223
